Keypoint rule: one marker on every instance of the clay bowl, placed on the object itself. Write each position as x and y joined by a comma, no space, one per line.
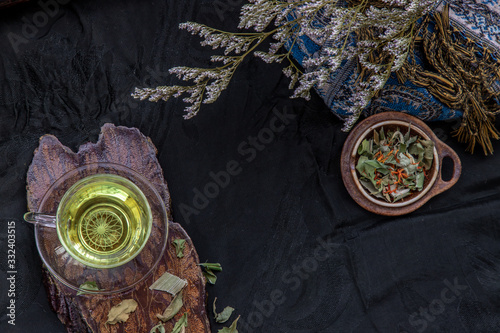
433,184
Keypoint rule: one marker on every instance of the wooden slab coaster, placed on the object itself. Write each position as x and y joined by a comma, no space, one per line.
88,313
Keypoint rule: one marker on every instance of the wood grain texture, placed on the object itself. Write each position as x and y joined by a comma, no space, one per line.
86,313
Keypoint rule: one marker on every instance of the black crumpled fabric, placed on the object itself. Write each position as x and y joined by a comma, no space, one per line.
7,3
298,254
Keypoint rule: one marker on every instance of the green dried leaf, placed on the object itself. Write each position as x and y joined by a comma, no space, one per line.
386,180
397,135
160,328
89,285
371,188
411,168
418,150
230,329
224,315
394,167
407,135
169,283
390,160
376,138
181,325
428,153
401,196
420,181
367,167
180,245
212,266
427,163
209,271
382,134
172,309
362,159
402,148
411,140
377,165
364,147
401,191
427,144
404,161
384,149
210,276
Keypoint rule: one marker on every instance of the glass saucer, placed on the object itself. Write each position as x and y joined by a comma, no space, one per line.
73,273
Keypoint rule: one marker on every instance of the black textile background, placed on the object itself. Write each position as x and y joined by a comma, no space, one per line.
298,254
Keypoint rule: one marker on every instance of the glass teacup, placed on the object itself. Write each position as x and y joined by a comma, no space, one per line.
102,221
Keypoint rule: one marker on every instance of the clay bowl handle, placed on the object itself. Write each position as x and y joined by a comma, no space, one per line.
445,151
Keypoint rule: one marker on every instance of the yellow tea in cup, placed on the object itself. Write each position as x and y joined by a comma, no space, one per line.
103,221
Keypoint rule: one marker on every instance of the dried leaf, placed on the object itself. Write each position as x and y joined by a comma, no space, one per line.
224,315
210,276
172,309
428,153
208,273
417,149
181,325
420,181
230,329
212,266
394,166
404,160
411,140
169,283
120,313
376,137
407,135
367,167
382,134
179,244
89,285
364,147
159,327
402,148
401,193
371,188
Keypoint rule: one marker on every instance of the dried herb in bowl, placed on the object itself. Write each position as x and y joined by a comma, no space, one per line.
392,166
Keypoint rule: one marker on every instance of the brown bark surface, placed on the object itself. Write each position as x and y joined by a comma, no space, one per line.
88,313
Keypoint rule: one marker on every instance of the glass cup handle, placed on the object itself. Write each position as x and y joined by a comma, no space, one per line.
41,219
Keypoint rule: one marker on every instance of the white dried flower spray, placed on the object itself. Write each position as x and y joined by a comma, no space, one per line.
378,34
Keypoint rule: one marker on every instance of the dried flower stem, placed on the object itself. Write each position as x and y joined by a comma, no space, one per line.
383,31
